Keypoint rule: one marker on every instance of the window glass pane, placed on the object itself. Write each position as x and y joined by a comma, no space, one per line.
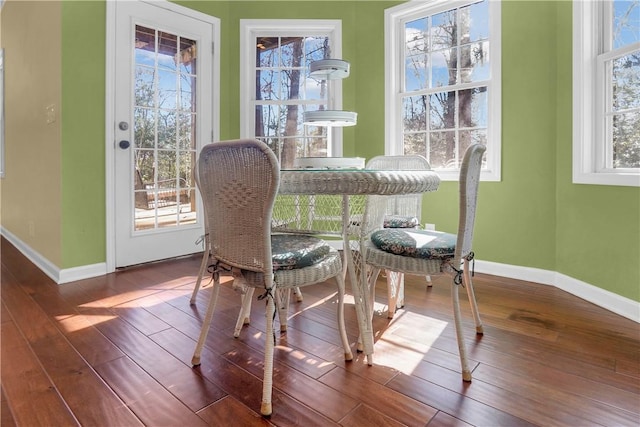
475,21
145,131
186,131
626,22
187,93
315,89
626,140
187,57
167,51
468,138
442,110
145,87
415,143
145,166
292,52
442,147
415,73
268,85
145,46
626,82
167,89
315,48
167,129
267,52
444,30
267,120
473,107
293,83
444,67
474,60
416,39
415,113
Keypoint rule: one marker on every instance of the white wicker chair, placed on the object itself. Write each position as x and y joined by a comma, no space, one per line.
423,252
238,181
403,211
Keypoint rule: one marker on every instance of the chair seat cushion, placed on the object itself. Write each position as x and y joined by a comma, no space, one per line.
290,251
415,243
401,221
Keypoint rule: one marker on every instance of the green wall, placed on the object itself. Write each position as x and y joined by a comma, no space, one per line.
535,217
83,133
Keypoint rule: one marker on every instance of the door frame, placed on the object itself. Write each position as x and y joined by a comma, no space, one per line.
110,117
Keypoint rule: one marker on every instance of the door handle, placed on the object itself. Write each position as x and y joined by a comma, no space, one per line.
124,144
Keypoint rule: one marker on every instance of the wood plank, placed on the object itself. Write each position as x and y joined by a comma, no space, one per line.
33,398
455,404
396,405
6,416
364,415
183,382
151,402
228,411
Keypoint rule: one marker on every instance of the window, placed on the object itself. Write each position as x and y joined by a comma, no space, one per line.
606,92
276,88
443,82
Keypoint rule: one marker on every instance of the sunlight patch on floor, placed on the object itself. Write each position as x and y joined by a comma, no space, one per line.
402,346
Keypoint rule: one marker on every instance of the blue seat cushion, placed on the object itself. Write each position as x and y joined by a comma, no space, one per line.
290,251
401,221
415,243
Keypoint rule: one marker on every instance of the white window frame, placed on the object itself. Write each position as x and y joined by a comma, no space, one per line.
590,145
252,28
393,27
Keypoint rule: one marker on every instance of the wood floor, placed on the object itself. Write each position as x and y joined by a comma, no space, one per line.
116,351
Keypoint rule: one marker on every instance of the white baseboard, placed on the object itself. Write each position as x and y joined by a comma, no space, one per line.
608,300
47,267
602,298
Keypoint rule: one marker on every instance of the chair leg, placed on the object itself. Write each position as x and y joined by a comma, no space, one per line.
267,384
206,323
245,310
429,282
348,355
367,318
455,301
283,296
472,298
203,268
395,283
298,293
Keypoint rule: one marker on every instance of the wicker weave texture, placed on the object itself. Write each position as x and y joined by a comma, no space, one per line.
353,182
239,201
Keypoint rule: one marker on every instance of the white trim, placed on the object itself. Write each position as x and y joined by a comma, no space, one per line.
110,138
586,131
50,269
393,57
601,297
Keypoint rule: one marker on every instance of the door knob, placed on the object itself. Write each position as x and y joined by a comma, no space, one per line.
124,144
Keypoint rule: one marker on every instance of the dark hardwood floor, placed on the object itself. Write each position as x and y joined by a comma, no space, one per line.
116,351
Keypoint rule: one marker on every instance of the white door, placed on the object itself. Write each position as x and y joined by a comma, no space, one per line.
163,110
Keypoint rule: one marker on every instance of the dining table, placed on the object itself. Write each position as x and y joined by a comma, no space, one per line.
346,205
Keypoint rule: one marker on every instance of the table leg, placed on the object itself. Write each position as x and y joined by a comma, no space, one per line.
358,277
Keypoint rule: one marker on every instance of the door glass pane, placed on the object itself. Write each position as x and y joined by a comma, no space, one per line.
164,146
